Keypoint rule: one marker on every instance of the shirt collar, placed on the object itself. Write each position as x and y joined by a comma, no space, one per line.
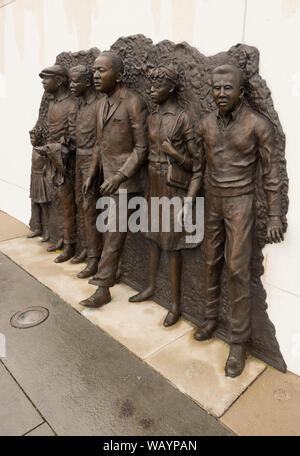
115,96
236,111
61,98
171,109
233,115
89,100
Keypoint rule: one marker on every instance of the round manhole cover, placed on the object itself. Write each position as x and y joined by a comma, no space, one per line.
30,317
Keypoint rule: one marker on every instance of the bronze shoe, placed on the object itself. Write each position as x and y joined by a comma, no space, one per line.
80,258
56,246
171,319
46,236
236,360
142,296
98,299
206,331
34,234
90,269
94,281
66,254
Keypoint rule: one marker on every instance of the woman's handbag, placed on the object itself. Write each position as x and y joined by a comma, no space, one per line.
178,176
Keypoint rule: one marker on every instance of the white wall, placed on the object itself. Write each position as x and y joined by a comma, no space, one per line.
33,32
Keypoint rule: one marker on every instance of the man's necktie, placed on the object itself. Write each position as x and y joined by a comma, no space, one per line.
106,110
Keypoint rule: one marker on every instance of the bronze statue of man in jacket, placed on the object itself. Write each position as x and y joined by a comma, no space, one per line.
121,151
232,140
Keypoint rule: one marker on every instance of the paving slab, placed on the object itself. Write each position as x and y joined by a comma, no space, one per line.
137,326
270,407
81,380
197,369
17,414
11,228
32,255
43,430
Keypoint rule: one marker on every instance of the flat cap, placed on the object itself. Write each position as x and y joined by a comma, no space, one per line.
57,70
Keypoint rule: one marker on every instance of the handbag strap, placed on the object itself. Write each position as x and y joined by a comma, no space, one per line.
173,131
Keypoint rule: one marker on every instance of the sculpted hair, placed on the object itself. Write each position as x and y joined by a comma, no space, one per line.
84,71
164,73
64,80
116,61
233,69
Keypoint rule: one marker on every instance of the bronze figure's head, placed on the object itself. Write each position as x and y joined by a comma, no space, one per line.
227,87
81,78
53,78
108,72
163,83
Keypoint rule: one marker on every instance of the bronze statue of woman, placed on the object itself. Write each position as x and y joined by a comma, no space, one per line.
171,151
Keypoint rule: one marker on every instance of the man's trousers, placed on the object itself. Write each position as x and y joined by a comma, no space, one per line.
66,201
229,239
113,242
90,238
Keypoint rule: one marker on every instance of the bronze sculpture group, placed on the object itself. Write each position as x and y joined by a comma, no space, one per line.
98,140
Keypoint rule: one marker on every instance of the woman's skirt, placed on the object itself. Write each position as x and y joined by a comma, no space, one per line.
165,221
39,192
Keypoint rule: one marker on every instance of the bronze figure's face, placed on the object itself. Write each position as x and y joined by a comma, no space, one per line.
161,90
226,90
105,76
78,84
51,83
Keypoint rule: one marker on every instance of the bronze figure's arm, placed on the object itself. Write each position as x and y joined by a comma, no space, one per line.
137,112
71,139
271,179
196,150
182,160
94,168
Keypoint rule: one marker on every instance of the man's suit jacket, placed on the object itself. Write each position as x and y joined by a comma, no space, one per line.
122,139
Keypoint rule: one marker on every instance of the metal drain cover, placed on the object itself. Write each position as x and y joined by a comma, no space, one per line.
27,318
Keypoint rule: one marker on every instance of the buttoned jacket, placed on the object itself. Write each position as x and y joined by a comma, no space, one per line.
121,138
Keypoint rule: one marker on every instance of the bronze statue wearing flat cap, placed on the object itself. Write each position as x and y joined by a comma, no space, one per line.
59,148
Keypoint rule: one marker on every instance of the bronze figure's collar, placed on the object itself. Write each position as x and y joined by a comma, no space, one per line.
233,115
61,98
89,100
116,96
170,109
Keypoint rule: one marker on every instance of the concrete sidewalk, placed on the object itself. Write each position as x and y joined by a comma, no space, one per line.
70,377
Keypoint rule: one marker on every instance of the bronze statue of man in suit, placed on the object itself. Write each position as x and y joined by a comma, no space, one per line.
121,150
232,140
